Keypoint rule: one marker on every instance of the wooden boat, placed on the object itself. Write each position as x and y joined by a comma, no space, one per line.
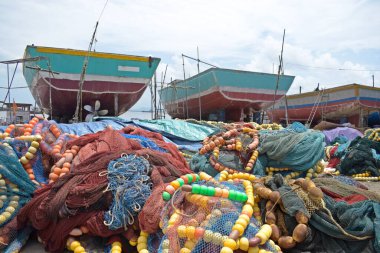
223,94
117,81
351,103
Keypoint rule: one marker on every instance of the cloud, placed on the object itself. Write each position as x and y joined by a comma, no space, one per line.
241,34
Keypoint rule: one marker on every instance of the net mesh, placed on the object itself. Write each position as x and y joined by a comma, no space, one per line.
212,216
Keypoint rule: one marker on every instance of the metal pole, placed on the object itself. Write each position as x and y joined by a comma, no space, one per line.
199,91
184,79
278,74
373,80
9,94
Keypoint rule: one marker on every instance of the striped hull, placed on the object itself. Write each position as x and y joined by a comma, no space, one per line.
231,94
349,103
116,80
60,95
234,104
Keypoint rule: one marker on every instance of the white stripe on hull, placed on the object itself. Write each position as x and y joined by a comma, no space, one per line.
230,89
37,77
76,77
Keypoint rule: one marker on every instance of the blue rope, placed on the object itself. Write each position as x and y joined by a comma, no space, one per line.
131,186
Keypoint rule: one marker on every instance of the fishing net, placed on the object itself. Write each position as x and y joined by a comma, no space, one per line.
344,189
197,223
91,194
333,226
359,157
16,190
295,147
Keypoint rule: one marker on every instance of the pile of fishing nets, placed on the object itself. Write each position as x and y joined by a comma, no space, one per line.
15,190
359,158
111,180
293,151
121,190
237,211
310,220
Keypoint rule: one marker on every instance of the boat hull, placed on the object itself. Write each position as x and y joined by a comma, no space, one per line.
348,103
58,97
223,94
117,81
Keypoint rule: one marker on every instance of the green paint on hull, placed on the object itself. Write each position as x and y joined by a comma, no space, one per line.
102,66
227,78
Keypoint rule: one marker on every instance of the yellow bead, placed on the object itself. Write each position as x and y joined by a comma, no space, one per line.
226,250
184,250
133,242
141,246
190,232
244,243
239,228
245,217
230,243
189,244
208,236
141,239
217,239
242,222
74,245
253,250
262,236
144,251
165,244
79,249
116,244
181,230
116,247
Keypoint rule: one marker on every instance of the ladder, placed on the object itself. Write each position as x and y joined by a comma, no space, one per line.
314,109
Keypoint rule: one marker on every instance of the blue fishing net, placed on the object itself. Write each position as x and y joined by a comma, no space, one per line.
145,142
130,184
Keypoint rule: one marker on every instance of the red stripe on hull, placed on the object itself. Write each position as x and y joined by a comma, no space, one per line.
215,101
64,102
332,112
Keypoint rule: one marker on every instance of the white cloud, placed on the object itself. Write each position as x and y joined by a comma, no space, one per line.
235,34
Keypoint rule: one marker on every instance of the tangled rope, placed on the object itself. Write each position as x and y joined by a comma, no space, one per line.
130,184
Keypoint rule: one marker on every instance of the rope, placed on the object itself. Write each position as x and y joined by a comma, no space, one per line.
130,186
359,238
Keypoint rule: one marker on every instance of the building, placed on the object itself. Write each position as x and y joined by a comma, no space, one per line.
15,113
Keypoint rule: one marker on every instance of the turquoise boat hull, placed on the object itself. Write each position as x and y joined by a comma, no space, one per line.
225,94
117,81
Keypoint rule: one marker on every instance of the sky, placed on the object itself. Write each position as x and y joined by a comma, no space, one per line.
331,42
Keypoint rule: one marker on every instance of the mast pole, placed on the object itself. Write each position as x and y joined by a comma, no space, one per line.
78,110
278,74
184,79
199,90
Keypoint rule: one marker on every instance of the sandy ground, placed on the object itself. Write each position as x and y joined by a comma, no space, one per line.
33,246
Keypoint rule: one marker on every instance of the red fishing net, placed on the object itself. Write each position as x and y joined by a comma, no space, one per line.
80,198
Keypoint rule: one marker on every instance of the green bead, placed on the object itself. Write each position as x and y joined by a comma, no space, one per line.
244,197
190,178
166,196
197,178
210,191
196,188
232,195
181,182
203,190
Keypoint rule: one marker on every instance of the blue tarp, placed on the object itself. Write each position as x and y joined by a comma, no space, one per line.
184,134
